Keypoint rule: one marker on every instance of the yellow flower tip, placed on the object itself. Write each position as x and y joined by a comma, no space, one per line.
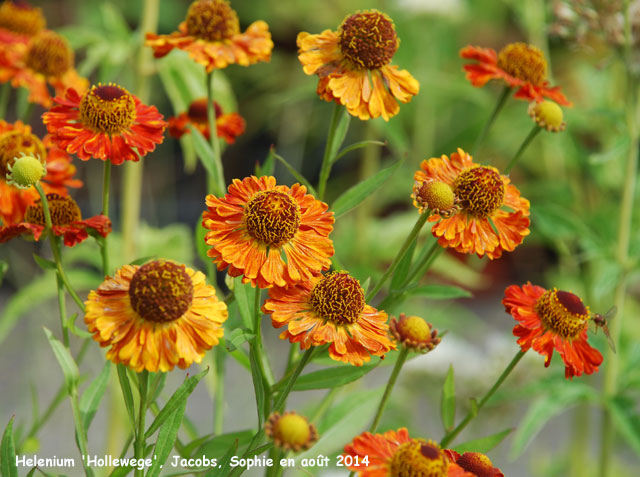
419,457
368,39
548,115
291,431
212,20
476,463
524,62
414,333
436,196
25,171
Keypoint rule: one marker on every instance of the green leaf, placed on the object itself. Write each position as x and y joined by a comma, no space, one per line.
299,177
225,461
268,166
70,323
167,438
258,385
484,444
44,263
241,292
238,337
8,466
125,385
358,193
438,292
340,135
142,260
203,150
92,395
474,409
356,145
331,377
201,245
176,400
627,423
216,447
65,360
4,266
114,22
448,401
401,272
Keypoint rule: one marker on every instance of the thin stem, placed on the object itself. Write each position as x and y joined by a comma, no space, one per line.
62,307
143,381
329,150
282,397
216,183
5,90
422,219
106,182
218,417
402,357
81,435
27,113
263,360
532,134
499,105
325,404
451,435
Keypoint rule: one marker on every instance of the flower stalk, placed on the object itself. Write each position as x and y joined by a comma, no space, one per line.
331,148
143,383
106,185
494,114
532,134
215,184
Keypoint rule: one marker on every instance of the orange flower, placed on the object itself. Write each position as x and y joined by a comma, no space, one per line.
66,219
19,21
553,319
270,234
45,60
519,65
16,138
481,226
228,126
107,123
211,35
155,316
474,462
394,453
353,65
330,309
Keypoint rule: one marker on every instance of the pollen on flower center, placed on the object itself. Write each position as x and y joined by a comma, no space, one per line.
476,463
198,113
525,62
108,109
49,54
435,195
368,39
418,457
562,312
19,17
161,291
338,297
63,211
480,191
13,144
212,20
272,217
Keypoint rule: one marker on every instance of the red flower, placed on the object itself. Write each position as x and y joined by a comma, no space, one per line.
475,462
228,126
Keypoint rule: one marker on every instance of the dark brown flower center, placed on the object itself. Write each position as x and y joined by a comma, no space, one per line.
339,298
107,108
525,62
480,191
12,143
161,291
368,39
49,54
198,113
563,313
19,17
63,211
272,217
476,463
418,458
212,20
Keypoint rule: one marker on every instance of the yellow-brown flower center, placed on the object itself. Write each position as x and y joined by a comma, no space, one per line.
480,191
418,458
338,297
476,463
12,143
368,39
525,62
63,211
272,217
292,430
161,291
108,109
212,20
563,313
49,54
414,328
198,113
19,17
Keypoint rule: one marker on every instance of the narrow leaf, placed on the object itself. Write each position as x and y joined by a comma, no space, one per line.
331,377
340,134
625,421
215,447
91,397
44,263
201,245
125,385
4,266
299,177
438,292
180,396
484,444
268,166
448,401
8,466
238,337
241,292
203,150
65,360
358,193
402,270
166,439
357,145
225,461
258,385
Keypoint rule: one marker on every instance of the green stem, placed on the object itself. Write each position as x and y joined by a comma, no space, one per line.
402,357
62,307
81,435
263,360
449,436
27,113
422,219
106,183
4,99
216,183
282,397
325,404
534,132
55,248
143,381
329,150
499,105
218,416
